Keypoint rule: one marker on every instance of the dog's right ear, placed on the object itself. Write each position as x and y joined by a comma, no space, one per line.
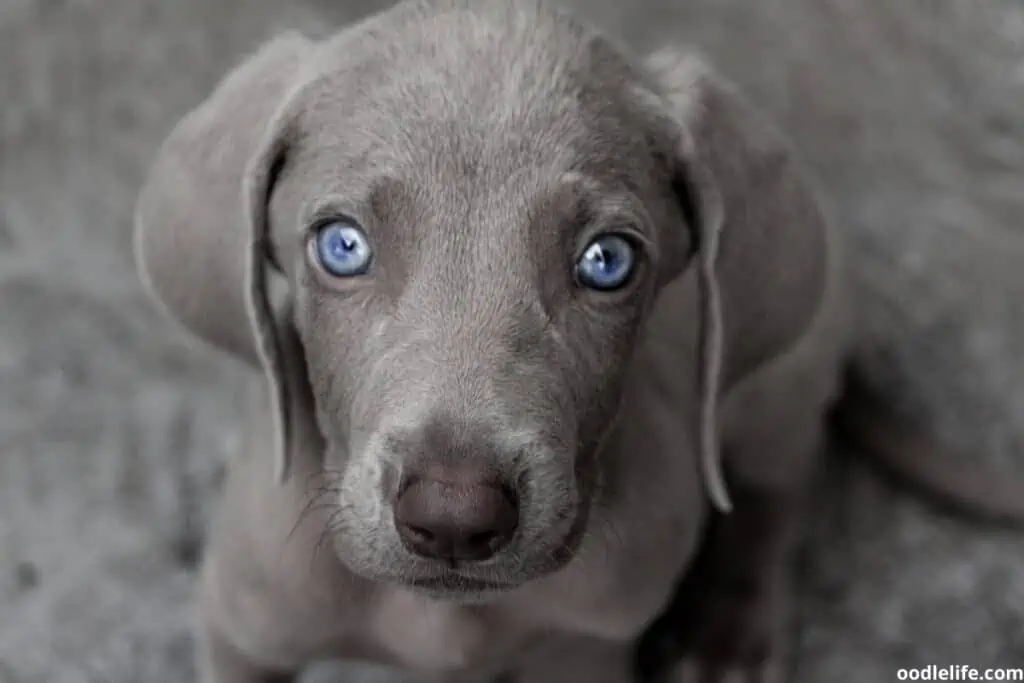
192,227
201,235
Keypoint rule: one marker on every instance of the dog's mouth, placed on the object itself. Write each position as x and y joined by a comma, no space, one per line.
452,582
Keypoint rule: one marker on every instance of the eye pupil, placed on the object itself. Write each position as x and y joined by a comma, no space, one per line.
344,245
604,257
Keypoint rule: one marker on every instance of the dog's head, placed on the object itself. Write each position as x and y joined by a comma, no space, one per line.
473,206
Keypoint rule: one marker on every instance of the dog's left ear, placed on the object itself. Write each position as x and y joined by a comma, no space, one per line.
759,234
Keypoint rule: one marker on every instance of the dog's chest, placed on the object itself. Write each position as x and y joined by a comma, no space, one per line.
429,636
622,578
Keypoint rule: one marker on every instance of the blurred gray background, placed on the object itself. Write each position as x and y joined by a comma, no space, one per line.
114,428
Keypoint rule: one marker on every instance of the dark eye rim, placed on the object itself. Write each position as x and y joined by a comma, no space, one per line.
632,241
317,228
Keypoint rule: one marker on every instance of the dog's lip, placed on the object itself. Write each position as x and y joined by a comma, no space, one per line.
457,582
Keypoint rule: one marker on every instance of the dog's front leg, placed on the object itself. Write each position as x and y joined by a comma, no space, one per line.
728,620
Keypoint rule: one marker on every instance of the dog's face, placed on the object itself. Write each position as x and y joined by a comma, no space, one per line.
471,254
474,204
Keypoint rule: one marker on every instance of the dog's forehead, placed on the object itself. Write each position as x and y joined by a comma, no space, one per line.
499,87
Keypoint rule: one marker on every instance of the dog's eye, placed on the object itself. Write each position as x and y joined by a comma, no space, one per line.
342,249
606,263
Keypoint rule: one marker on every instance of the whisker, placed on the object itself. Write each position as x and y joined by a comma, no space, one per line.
312,504
328,530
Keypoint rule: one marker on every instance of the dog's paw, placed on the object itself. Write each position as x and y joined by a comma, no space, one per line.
696,671
721,634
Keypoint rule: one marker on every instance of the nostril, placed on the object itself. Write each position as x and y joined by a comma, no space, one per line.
484,539
511,496
420,533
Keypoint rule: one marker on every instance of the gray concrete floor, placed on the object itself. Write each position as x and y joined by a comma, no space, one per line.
113,428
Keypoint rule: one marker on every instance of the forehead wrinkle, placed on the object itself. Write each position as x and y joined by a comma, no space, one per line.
421,83
415,97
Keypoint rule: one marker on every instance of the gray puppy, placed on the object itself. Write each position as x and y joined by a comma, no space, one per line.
534,293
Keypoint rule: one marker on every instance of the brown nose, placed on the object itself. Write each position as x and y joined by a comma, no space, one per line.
463,521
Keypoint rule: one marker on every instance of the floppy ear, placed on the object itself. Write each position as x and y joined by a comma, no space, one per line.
200,236
759,233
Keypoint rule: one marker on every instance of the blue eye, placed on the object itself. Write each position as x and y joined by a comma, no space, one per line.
342,249
606,263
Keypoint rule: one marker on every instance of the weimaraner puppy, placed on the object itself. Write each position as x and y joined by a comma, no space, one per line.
546,327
